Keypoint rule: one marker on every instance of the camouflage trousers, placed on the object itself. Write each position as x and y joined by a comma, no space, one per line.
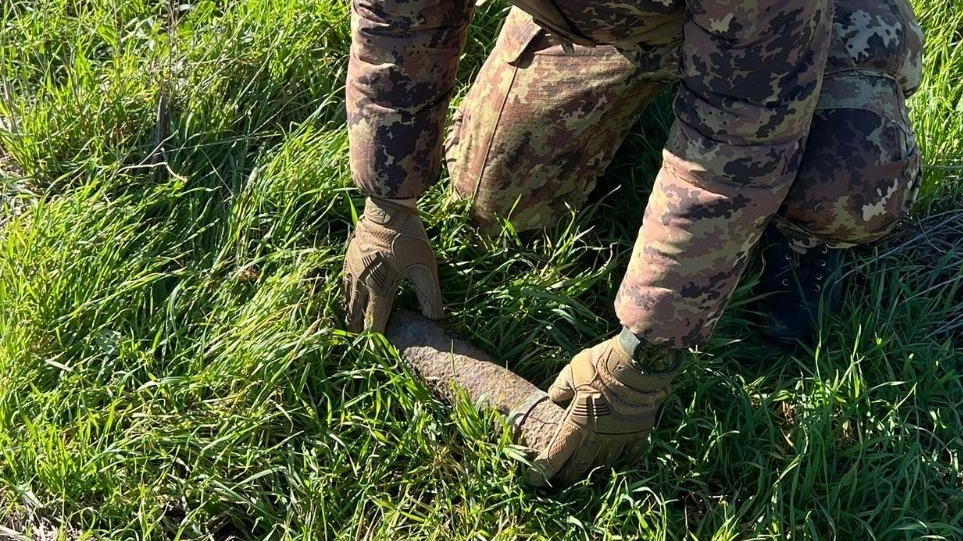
544,119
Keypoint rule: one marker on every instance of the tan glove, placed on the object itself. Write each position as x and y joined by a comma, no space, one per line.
389,245
613,404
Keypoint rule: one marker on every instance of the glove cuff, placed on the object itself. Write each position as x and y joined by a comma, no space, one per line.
649,358
386,212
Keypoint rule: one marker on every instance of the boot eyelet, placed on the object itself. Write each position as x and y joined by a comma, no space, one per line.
785,282
819,277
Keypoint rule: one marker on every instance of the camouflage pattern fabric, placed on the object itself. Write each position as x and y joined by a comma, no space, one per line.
628,24
401,74
541,124
543,120
560,120
750,78
861,171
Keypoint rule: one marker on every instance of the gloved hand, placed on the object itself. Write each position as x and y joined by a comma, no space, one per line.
389,245
613,404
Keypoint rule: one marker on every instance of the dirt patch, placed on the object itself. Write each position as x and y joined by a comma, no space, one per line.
9,167
14,188
25,523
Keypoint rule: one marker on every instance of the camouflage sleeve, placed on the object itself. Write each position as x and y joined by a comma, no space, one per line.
751,76
404,56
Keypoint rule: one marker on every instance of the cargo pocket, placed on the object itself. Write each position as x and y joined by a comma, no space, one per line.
477,119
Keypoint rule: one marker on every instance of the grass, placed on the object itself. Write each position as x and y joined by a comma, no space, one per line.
175,199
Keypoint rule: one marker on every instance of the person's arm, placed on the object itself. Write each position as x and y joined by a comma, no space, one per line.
404,57
752,71
751,76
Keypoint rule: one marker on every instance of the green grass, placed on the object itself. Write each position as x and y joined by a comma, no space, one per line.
170,347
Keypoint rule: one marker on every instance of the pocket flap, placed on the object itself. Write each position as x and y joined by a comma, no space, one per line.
517,34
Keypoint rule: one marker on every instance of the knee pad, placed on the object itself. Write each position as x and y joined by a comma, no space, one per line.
861,170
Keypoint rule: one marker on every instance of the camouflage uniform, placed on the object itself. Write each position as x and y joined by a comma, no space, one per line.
544,118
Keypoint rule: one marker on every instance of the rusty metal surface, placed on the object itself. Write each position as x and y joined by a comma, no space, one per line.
447,362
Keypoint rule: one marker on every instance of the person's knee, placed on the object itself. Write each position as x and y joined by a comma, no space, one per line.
489,211
484,214
861,170
859,176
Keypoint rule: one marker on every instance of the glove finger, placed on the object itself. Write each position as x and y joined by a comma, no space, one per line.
614,449
427,289
583,459
378,308
567,439
356,297
563,389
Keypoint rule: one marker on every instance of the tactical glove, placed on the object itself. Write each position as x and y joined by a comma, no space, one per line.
614,391
389,245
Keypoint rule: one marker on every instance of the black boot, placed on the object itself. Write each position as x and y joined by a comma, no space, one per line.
792,286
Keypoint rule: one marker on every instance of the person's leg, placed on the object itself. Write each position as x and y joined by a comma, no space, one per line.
861,170
542,122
